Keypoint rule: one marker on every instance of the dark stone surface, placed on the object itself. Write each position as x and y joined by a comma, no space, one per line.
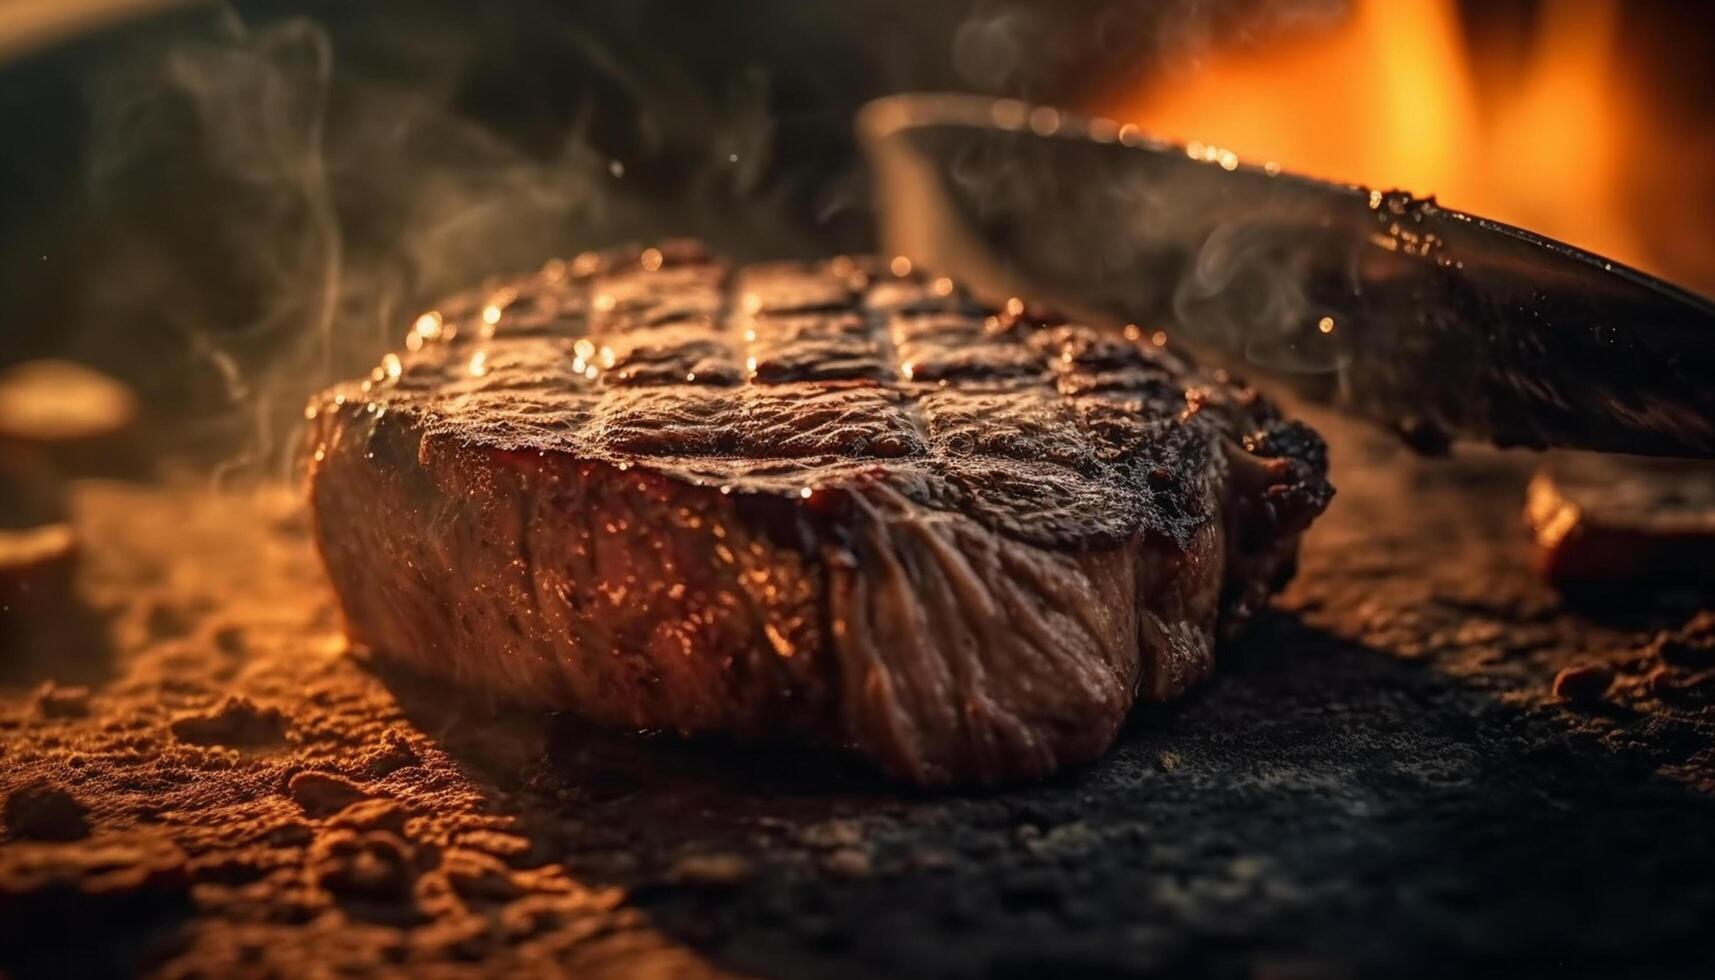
1379,782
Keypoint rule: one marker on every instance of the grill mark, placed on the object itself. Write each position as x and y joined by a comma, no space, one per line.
881,334
798,334
736,321
659,339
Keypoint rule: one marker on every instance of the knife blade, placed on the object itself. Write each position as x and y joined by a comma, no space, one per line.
1433,322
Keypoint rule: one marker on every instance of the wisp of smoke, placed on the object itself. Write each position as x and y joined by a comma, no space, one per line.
257,105
1243,287
271,217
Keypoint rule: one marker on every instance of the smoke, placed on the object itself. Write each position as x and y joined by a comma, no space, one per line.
991,47
1193,27
1159,240
1246,292
1031,50
271,220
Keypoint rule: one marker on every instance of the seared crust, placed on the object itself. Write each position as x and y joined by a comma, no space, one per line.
822,499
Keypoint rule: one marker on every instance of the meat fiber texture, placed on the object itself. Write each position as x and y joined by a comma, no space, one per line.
821,501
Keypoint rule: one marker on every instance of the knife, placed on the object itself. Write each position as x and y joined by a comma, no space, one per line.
1433,322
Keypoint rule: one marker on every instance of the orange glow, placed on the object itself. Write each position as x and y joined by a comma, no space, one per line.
1560,141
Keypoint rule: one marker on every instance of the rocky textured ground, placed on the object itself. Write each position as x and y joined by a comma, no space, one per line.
1423,763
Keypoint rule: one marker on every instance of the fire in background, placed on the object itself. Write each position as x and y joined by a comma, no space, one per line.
1569,117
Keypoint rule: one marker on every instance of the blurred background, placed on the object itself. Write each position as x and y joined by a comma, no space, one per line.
227,205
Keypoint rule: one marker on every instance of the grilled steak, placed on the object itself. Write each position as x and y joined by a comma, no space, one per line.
824,501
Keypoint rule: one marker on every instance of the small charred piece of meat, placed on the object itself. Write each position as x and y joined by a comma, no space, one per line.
39,612
819,501
1602,519
38,547
64,416
36,565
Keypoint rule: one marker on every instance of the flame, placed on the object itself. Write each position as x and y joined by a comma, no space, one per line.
1560,141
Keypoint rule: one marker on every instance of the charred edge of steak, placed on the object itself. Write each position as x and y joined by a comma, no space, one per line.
806,500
